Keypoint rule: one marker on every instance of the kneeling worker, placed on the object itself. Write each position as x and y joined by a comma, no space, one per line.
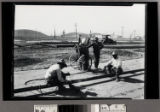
114,66
55,76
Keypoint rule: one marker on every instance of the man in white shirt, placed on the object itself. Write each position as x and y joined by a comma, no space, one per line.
55,76
114,66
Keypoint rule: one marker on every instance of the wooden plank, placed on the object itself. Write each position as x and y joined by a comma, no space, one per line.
31,88
46,86
124,46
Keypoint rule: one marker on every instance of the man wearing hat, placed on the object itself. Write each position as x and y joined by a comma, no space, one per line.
55,76
97,46
114,66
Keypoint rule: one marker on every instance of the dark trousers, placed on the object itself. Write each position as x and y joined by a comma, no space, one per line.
96,60
113,71
84,61
55,82
86,64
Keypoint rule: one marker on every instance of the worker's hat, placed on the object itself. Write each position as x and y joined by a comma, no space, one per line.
95,38
62,63
114,53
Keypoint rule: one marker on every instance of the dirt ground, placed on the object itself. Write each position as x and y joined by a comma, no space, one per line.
93,84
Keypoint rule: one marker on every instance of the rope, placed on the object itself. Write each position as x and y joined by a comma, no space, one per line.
33,80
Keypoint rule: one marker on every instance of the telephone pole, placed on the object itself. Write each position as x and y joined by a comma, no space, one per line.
54,33
134,34
122,31
63,33
76,29
90,33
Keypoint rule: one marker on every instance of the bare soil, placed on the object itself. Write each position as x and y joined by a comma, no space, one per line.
31,62
39,57
93,84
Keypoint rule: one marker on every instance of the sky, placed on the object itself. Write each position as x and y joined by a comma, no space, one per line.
99,19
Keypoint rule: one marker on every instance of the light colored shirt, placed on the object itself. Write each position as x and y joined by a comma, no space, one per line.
117,63
54,70
83,40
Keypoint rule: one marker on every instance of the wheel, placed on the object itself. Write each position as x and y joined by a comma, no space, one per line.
73,60
39,83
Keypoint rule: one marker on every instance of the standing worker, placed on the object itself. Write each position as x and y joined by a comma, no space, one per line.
97,46
83,52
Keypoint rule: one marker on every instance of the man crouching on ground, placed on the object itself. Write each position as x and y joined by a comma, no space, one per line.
114,66
55,76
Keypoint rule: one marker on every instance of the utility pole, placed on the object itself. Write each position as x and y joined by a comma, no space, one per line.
122,31
54,33
131,36
63,33
90,33
113,35
36,34
134,33
76,29
51,33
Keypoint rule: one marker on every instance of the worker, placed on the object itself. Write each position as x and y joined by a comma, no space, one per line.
83,53
97,46
55,76
114,66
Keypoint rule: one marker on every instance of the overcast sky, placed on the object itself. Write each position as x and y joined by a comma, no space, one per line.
100,19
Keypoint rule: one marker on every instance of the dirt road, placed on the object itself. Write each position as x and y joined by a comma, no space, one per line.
96,84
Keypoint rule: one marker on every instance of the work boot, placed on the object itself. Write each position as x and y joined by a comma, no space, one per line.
61,88
117,79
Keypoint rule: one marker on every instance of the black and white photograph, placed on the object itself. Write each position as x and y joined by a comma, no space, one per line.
79,51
